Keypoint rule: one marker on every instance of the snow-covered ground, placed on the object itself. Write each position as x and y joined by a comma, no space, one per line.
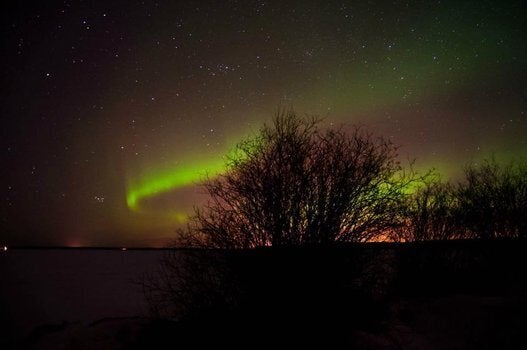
50,286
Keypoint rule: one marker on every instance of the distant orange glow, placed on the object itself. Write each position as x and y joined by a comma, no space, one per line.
74,242
385,236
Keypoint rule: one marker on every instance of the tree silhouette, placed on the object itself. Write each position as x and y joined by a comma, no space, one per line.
493,200
431,213
490,202
296,184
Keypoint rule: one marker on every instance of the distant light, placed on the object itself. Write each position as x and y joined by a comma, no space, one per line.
123,249
5,248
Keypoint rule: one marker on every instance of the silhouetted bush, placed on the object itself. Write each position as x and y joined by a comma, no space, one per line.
431,214
276,237
298,192
295,184
492,201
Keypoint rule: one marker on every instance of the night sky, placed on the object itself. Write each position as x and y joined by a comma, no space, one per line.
111,111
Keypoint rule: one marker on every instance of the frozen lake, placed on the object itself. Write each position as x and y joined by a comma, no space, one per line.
49,286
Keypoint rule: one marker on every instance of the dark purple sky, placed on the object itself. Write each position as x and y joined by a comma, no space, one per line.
110,112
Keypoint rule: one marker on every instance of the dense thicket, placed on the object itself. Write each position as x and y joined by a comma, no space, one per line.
296,184
303,190
489,202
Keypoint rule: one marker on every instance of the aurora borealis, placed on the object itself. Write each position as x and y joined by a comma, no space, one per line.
112,111
159,182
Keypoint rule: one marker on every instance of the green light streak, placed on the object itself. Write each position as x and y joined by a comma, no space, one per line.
186,173
158,182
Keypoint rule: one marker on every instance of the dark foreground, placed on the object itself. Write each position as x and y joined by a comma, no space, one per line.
436,295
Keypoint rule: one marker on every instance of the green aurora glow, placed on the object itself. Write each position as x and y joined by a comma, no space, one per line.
159,182
416,70
107,130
